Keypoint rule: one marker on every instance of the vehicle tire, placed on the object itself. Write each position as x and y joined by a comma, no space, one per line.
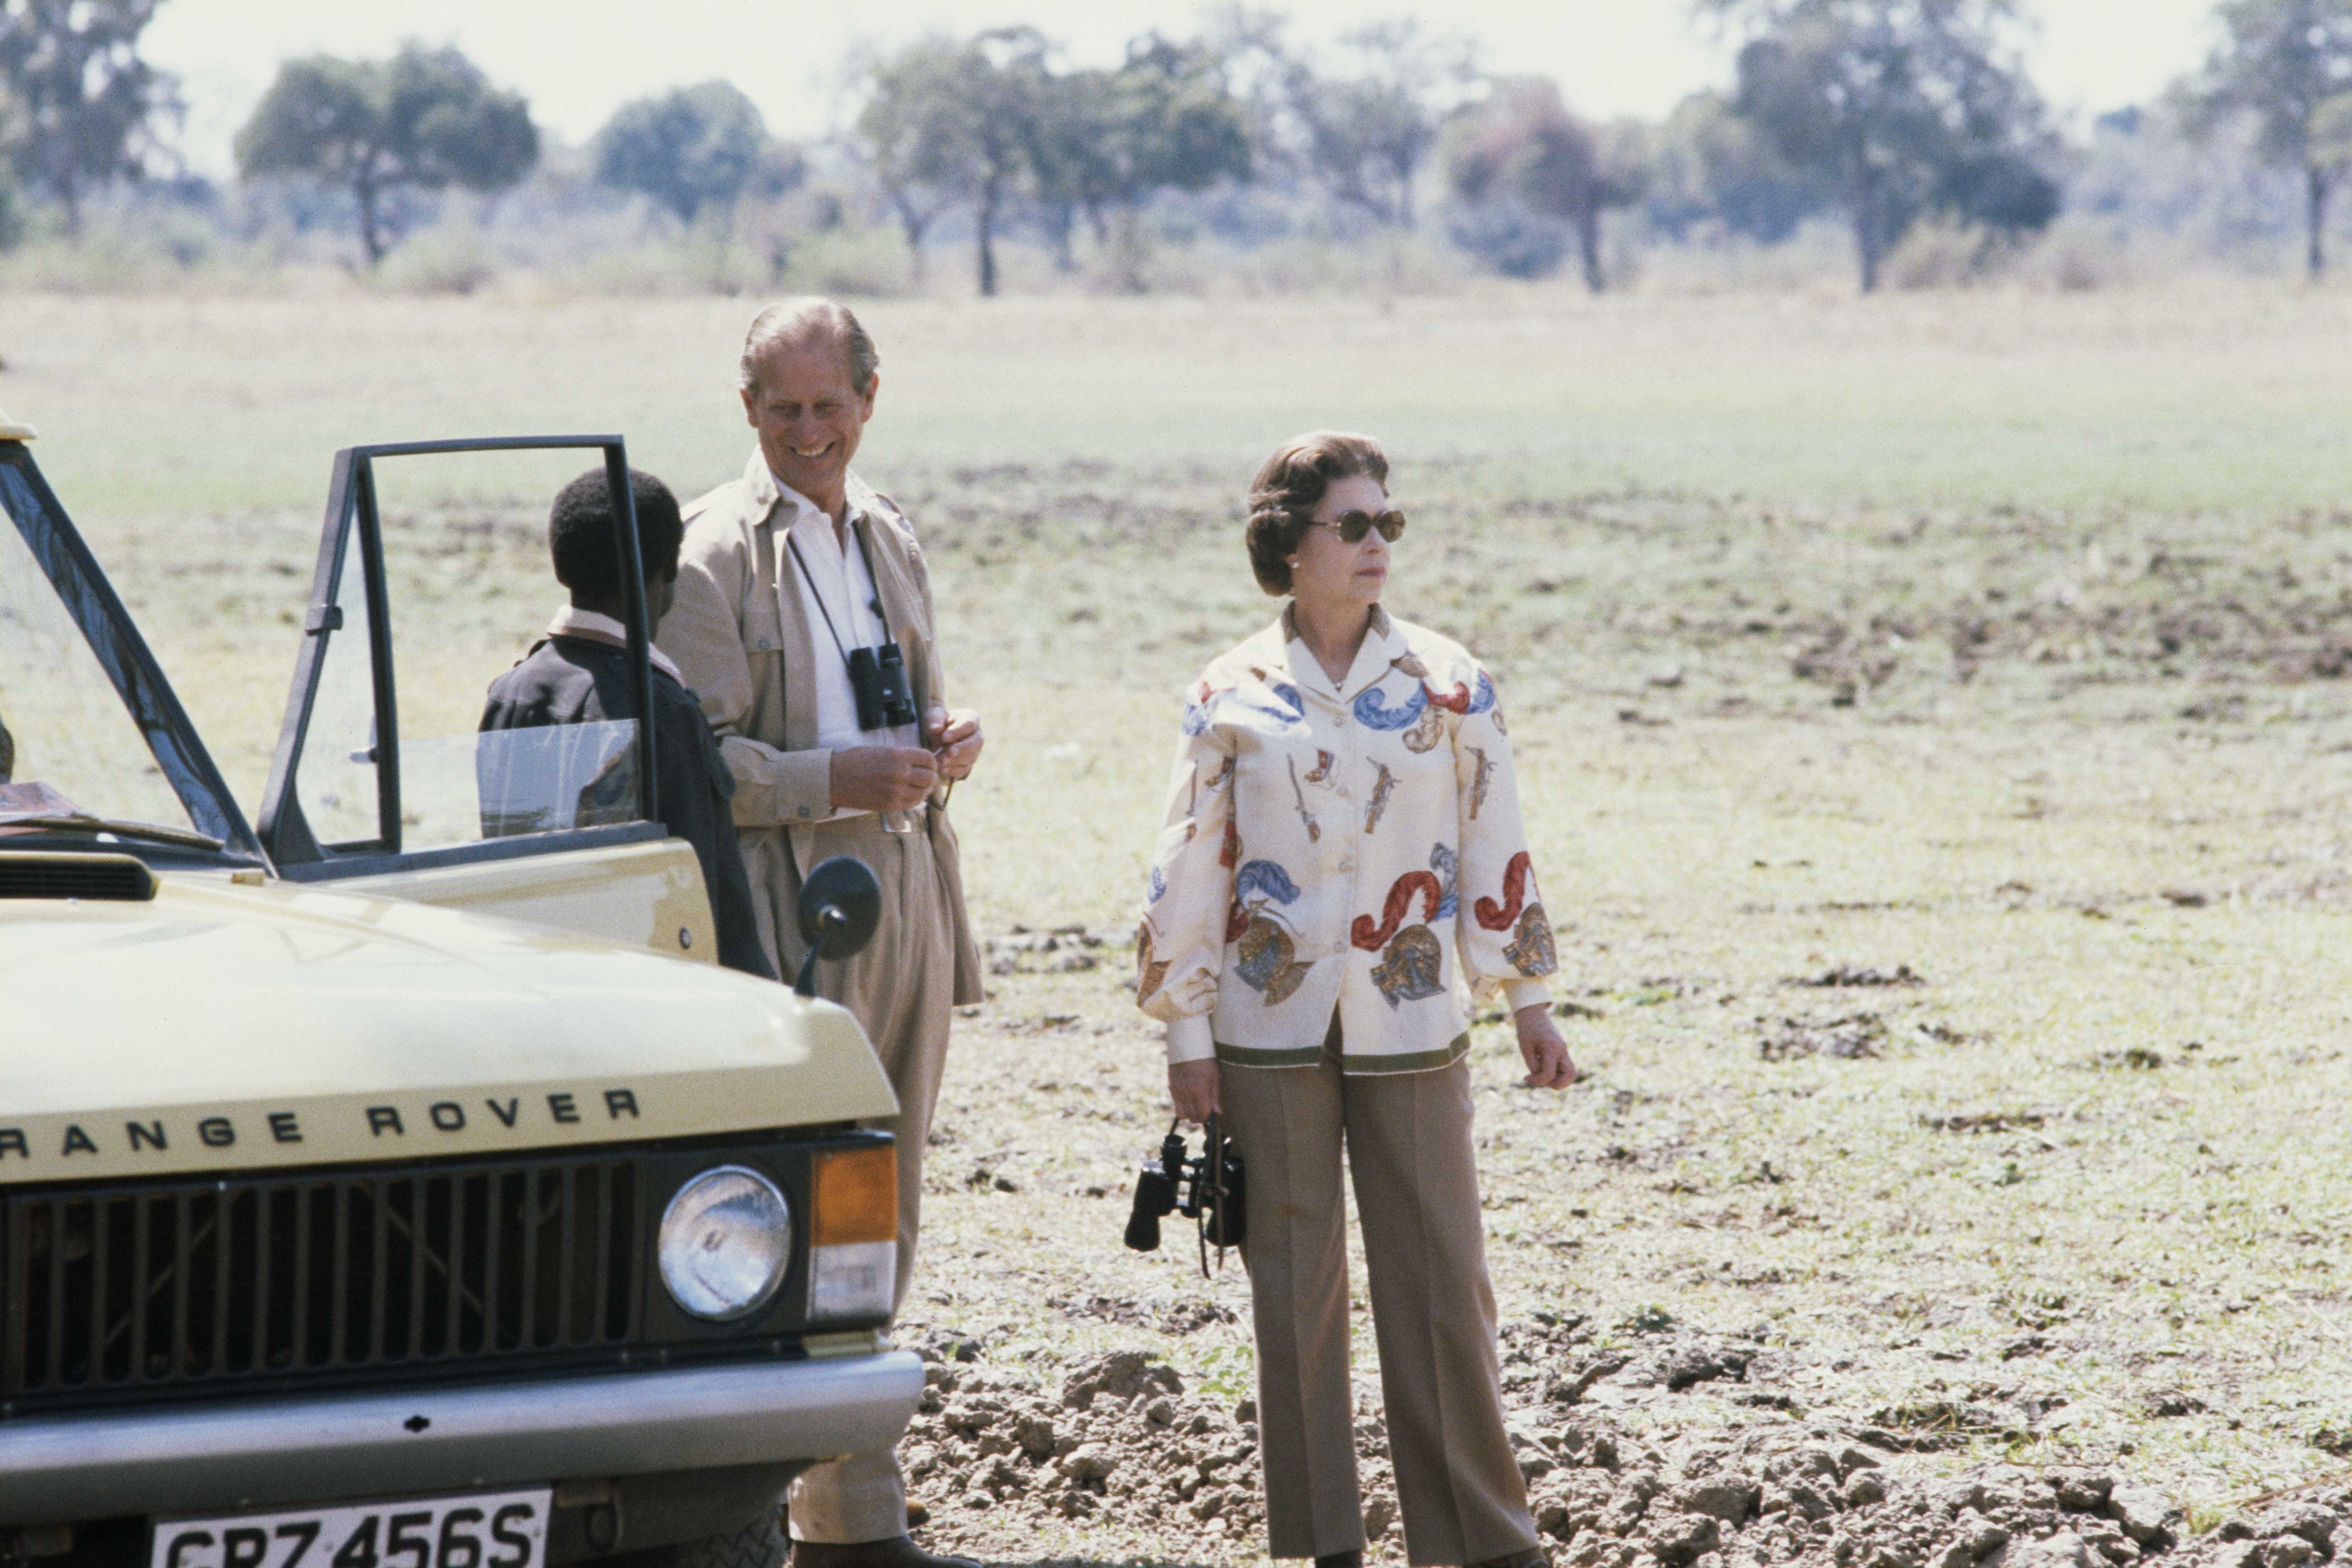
758,1544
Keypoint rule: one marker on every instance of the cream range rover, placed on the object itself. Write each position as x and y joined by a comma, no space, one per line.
398,1182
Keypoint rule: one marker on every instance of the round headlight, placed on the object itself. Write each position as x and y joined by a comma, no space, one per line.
726,1242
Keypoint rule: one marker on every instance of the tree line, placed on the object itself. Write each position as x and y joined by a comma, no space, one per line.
1880,114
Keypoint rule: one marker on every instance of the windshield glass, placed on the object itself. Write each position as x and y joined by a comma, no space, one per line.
68,743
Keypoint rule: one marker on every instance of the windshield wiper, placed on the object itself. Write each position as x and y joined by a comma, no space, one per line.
83,823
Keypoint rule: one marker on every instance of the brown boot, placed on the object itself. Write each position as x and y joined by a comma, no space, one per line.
899,1552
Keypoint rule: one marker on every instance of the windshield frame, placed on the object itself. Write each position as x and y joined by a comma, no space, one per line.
113,638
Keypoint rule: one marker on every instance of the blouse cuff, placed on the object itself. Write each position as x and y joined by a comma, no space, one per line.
1190,1040
1517,994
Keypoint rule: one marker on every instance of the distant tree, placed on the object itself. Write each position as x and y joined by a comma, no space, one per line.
1258,66
957,120
87,107
423,121
695,147
1907,107
1365,135
2288,65
1003,86
1522,145
1709,164
1075,156
914,135
1104,141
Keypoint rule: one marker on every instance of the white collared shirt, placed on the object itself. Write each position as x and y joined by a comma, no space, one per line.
836,583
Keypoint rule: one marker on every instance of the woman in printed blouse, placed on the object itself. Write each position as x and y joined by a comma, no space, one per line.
1343,860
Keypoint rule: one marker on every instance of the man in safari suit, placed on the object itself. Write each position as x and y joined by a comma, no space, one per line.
784,573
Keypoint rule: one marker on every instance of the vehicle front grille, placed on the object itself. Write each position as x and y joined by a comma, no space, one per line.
203,1283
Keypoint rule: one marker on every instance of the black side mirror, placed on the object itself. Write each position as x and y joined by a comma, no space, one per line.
840,906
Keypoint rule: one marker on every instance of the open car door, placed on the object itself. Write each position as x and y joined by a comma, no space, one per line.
559,826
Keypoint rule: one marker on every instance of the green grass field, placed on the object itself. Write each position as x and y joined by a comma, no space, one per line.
2004,637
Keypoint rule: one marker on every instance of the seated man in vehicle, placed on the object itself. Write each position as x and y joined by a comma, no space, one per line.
578,674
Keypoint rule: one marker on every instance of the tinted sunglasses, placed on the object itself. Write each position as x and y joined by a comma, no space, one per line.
1351,526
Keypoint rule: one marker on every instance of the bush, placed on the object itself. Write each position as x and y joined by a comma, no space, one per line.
1938,255
130,252
2076,255
857,261
1818,257
1946,255
1511,240
451,257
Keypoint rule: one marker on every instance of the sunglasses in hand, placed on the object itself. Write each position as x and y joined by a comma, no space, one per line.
1351,526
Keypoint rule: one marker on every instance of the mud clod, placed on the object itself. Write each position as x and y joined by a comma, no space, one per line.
1855,974
1858,1037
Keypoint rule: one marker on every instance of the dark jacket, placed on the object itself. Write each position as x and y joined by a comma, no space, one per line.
575,680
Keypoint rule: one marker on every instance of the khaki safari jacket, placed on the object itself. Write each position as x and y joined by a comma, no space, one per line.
739,631
1353,847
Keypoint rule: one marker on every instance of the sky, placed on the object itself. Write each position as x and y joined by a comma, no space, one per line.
577,60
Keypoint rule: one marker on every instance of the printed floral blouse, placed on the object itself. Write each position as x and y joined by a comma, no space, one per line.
1346,847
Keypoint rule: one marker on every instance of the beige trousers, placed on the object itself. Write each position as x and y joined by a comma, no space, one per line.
1408,1143
902,991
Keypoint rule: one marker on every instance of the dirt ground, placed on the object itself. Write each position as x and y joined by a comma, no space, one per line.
1950,912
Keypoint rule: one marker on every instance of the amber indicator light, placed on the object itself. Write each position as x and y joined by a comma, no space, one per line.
857,1196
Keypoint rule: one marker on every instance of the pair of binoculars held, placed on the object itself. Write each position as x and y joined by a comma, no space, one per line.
1207,1190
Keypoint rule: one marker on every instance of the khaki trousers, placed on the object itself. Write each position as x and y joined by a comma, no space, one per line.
901,989
1408,1142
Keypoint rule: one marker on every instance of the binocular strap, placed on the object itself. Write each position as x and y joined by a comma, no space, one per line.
875,603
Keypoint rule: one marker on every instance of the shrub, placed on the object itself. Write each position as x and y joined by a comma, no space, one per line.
845,260
2076,255
451,257
1511,240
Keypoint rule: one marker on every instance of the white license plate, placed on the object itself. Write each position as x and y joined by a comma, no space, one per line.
477,1530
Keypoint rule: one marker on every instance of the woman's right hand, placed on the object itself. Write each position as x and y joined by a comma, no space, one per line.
1195,1089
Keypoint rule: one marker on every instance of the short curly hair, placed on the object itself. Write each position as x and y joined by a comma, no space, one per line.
580,534
1289,488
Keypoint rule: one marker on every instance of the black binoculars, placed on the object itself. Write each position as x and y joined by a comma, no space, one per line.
877,679
1207,1190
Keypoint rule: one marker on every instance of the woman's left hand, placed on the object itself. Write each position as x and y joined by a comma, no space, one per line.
1546,1053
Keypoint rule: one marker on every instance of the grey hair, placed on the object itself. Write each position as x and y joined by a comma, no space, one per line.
794,321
